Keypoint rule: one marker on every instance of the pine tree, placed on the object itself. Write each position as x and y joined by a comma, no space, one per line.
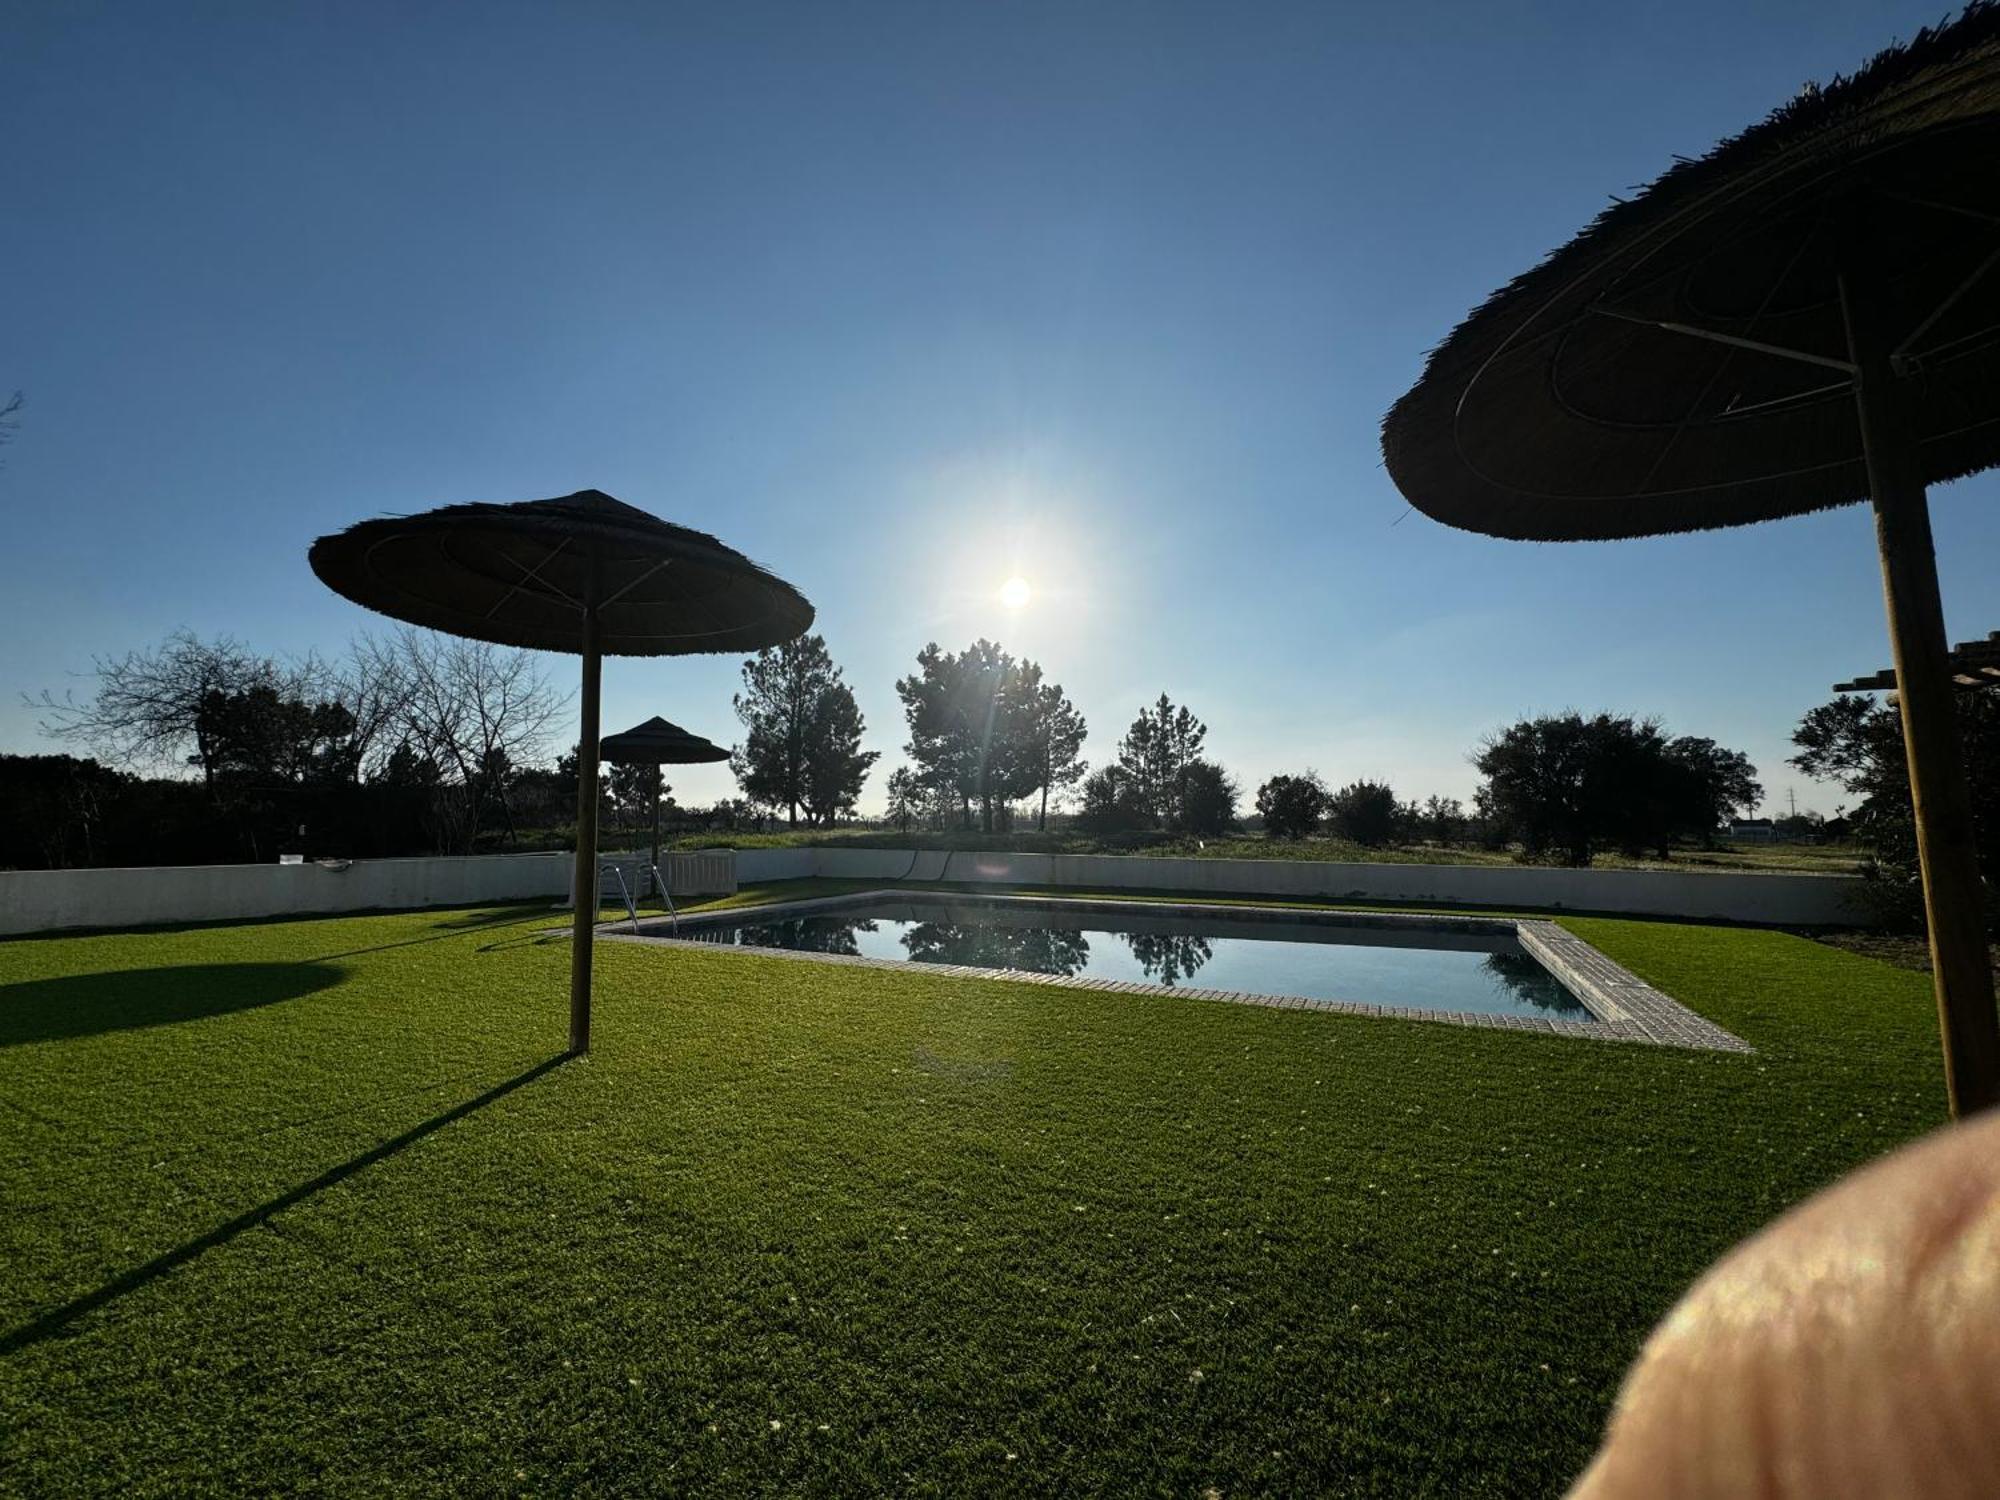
1156,753
802,748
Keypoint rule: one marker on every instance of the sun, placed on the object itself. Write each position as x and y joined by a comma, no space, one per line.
1015,592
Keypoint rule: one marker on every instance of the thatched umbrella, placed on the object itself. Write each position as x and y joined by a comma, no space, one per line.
1973,664
1807,316
658,743
583,573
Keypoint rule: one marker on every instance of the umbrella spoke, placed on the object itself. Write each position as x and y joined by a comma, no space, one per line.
1716,335
1797,398
533,576
1984,216
1723,363
1900,356
613,598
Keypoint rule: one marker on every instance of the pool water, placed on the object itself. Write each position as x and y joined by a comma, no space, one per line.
1419,968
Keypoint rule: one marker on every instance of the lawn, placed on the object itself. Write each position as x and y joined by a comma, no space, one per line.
308,1204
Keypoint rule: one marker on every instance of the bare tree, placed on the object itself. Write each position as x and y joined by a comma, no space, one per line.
477,711
148,709
374,686
10,418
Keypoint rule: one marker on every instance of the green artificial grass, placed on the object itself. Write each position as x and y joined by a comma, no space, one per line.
310,1205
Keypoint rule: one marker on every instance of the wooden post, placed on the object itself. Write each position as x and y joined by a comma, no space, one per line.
585,875
1954,900
656,829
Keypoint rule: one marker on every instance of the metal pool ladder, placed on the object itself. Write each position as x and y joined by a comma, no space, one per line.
624,891
666,895
631,905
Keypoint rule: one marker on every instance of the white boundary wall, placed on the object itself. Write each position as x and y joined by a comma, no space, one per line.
50,900
45,900
1777,899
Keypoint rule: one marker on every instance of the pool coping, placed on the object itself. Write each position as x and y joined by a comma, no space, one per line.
1626,1007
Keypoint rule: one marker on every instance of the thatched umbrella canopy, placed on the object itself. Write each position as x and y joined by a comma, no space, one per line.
1973,665
1807,316
583,573
658,743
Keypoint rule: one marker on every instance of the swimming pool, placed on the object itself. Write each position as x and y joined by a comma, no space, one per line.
1462,967
1497,972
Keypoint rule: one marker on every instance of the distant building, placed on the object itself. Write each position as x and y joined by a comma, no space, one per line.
1751,831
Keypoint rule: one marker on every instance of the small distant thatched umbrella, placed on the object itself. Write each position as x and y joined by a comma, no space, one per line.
657,743
583,573
1807,316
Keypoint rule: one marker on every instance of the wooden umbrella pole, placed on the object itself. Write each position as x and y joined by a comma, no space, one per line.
585,875
656,823
1954,900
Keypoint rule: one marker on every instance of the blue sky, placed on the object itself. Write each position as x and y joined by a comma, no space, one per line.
901,301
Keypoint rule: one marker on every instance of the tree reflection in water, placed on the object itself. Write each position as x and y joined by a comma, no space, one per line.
1039,950
808,935
1168,957
1528,981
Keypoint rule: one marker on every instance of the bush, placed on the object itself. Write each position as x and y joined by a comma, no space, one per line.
1291,806
1364,812
1442,820
1112,803
1208,798
1567,786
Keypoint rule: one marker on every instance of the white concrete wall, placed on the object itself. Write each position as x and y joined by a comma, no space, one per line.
754,866
46,900
49,900
1785,900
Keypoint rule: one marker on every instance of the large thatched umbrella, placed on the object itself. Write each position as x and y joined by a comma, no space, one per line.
658,743
583,573
1807,316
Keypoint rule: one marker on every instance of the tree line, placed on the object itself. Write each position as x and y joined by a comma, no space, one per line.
989,733
1562,788
417,742
412,742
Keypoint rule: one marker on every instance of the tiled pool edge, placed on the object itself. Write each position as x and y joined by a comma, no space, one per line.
1619,997
1627,1008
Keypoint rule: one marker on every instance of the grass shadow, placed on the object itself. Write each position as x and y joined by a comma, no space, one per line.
52,1323
80,1005
477,922
495,913
506,916
537,938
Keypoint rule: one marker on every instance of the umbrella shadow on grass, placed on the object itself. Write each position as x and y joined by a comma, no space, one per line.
80,1005
457,927
52,1323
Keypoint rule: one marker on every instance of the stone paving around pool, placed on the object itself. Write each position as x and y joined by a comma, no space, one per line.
1626,1007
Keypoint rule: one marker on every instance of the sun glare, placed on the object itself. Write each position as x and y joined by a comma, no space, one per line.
1015,592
